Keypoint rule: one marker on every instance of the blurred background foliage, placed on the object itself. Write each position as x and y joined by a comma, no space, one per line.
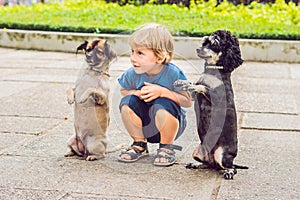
263,19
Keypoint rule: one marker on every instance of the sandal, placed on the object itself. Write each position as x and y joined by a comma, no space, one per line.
167,152
134,152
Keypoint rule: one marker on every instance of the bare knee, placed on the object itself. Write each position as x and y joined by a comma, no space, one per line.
129,116
162,117
125,109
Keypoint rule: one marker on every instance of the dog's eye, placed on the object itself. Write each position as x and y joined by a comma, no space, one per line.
99,51
206,44
215,47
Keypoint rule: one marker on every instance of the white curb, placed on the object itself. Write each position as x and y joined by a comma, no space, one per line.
252,50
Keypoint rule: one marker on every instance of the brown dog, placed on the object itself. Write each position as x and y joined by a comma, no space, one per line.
90,95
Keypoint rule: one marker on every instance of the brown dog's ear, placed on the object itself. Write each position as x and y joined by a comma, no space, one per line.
82,46
109,51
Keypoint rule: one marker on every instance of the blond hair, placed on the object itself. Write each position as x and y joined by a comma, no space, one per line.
155,37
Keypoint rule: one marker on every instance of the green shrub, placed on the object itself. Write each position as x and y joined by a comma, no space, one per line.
271,21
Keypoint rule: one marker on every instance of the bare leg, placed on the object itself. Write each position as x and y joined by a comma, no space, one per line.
168,126
133,125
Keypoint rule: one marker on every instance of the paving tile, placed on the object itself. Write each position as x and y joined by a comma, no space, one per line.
272,158
264,70
27,125
295,72
8,88
9,140
266,103
30,194
42,75
99,178
266,121
276,87
45,100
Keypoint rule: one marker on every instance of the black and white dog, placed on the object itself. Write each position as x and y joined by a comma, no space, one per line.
214,102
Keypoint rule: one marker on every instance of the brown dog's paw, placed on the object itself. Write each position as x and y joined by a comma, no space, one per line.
99,97
70,95
91,158
94,157
84,97
69,154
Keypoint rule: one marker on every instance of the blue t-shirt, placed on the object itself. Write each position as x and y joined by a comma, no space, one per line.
168,75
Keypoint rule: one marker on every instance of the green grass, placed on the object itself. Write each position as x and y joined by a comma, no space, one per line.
273,21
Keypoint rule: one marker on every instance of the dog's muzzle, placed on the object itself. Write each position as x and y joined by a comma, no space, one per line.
92,59
202,53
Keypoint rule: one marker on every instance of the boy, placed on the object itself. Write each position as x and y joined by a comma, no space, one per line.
151,107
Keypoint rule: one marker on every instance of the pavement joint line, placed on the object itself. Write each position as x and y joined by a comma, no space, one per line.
31,81
270,129
32,189
20,155
33,116
275,113
25,133
89,194
216,189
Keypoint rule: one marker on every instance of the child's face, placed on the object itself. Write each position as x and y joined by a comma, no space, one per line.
145,61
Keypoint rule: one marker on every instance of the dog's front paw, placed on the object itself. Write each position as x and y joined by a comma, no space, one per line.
70,95
69,153
94,157
183,84
196,89
82,100
84,97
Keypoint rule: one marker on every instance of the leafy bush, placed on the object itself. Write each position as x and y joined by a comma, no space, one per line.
187,3
271,21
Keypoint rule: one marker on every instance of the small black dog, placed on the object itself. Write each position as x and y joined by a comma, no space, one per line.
214,102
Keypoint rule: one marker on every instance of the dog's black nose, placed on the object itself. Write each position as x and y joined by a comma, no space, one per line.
198,50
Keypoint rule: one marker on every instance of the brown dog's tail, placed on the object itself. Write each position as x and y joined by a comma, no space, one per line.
116,148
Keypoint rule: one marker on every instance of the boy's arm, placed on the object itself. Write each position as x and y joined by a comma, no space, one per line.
125,92
152,91
181,97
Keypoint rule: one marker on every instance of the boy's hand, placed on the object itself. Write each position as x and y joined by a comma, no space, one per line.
150,91
138,94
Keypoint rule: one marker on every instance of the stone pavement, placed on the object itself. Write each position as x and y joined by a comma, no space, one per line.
36,121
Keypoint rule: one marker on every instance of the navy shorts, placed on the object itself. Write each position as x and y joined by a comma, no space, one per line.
147,110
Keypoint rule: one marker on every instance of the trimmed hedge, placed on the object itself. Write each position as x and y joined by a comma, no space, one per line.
187,3
256,21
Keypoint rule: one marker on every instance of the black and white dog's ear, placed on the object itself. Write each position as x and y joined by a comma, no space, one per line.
82,46
232,57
